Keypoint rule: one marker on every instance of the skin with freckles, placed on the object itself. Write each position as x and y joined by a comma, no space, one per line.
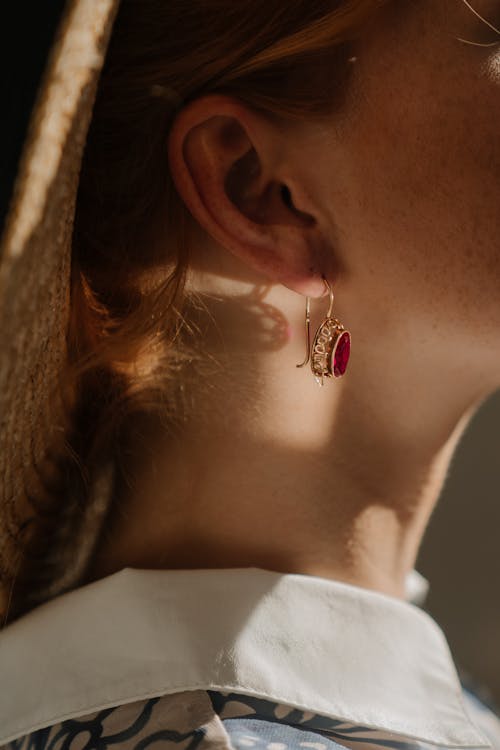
395,200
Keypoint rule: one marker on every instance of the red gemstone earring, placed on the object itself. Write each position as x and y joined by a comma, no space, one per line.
331,346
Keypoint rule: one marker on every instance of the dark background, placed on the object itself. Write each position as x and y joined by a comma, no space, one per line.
460,554
26,32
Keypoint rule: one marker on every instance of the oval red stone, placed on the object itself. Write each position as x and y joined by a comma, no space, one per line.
341,354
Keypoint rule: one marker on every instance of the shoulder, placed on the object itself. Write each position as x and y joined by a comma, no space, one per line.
483,713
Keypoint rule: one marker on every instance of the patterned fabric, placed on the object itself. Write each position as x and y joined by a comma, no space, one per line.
214,720
232,707
185,721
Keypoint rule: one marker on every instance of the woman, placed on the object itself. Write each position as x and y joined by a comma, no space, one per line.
261,531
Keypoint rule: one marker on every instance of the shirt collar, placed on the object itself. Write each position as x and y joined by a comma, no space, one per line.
328,647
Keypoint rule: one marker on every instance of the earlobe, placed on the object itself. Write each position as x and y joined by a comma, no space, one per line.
226,162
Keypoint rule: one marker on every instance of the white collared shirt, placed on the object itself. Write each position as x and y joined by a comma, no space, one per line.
233,658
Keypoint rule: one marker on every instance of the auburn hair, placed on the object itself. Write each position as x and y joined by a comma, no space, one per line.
128,340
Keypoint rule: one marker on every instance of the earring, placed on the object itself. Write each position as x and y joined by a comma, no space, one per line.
331,346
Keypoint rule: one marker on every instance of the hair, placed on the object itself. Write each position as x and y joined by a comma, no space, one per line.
128,340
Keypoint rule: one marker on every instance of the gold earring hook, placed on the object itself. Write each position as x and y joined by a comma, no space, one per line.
308,321
330,292
308,333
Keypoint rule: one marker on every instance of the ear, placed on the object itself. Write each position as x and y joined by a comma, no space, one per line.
234,169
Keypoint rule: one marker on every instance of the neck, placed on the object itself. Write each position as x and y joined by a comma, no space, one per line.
270,470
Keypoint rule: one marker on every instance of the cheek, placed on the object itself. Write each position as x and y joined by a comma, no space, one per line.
421,164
